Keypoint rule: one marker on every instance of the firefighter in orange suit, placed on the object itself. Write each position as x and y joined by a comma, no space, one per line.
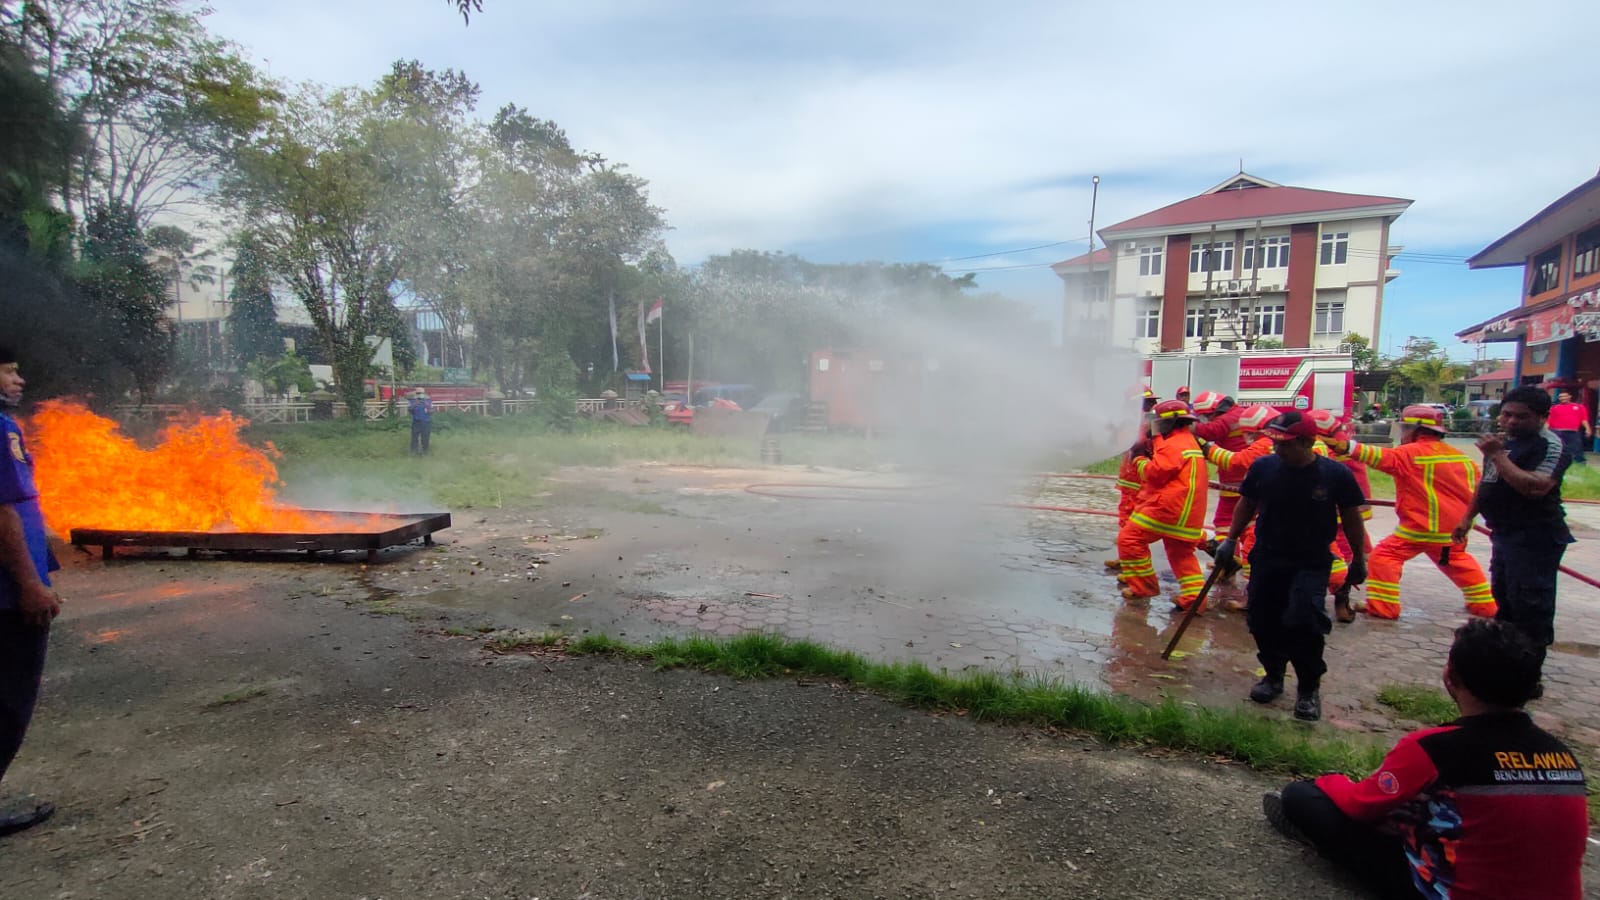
1128,470
1170,508
1219,424
1433,484
1232,464
1330,427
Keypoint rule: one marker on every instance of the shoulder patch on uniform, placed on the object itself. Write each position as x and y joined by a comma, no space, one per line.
16,447
1388,783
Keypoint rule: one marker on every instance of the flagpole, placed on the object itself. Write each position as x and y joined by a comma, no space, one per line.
661,346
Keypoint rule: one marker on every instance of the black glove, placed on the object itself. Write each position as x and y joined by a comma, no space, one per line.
1358,572
1224,557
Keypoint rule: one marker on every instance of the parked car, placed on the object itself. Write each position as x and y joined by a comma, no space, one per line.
735,396
785,408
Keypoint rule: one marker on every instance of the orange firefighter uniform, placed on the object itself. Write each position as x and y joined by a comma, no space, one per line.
1170,508
1223,429
1433,483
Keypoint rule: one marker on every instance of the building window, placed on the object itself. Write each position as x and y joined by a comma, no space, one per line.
1194,322
1269,320
1329,317
1149,260
1586,255
1546,272
1216,257
1148,323
1335,247
1274,253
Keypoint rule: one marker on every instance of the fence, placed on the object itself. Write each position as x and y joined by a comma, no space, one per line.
284,412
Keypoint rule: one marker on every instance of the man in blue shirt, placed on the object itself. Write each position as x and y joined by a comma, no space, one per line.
27,602
421,409
1298,501
1519,497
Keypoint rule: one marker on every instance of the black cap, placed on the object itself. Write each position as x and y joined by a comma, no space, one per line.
7,355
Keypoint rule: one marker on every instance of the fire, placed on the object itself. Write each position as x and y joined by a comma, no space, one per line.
200,476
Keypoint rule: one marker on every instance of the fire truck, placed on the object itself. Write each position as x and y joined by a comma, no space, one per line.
1286,379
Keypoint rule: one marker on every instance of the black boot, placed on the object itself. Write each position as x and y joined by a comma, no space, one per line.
24,815
1308,704
1268,689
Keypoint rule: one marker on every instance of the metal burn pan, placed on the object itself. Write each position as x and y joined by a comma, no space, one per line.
393,529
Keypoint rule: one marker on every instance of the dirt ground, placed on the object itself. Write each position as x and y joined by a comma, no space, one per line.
287,728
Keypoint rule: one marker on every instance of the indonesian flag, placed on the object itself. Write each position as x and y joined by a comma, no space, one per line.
655,312
644,345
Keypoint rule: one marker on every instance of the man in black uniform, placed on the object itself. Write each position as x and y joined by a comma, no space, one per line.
1520,499
1301,499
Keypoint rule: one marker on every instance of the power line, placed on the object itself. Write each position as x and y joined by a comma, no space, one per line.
1004,252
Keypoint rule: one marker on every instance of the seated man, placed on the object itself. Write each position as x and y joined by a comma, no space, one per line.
1489,806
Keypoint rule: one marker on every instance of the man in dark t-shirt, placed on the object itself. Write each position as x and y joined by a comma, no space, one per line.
1298,501
1520,499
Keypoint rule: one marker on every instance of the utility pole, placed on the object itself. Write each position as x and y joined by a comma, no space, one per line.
1094,199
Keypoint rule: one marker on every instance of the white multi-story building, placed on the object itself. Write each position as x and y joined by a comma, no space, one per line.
1244,262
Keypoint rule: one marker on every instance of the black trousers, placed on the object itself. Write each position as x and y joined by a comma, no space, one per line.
419,436
1288,617
22,649
1373,855
1522,577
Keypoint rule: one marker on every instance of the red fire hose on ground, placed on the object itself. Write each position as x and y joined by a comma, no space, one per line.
788,491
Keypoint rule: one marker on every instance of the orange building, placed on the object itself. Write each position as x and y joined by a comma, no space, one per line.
1556,325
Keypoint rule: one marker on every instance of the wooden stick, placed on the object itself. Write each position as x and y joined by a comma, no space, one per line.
1192,611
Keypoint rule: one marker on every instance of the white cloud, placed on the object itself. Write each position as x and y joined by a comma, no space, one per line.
807,123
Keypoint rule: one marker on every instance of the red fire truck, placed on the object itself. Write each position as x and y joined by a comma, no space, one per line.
1287,379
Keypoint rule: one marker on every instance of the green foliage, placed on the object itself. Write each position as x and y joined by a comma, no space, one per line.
1268,344
253,329
1362,353
1427,705
1269,744
278,375
117,279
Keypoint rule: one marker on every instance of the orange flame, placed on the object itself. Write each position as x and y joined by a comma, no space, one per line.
200,476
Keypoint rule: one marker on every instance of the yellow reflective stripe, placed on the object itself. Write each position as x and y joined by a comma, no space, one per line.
1127,485
1477,593
1372,456
1422,537
1165,530
1139,466
1339,565
1223,458
1193,454
1197,477
1432,497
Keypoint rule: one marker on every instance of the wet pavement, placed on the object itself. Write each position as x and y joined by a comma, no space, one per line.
893,566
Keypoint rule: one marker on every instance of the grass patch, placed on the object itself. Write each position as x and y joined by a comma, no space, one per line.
1263,743
241,695
515,641
1427,705
479,461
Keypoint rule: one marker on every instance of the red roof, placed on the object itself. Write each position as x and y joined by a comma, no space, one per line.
1103,255
1506,374
1259,201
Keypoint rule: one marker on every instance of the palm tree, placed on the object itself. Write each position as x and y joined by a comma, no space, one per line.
1431,375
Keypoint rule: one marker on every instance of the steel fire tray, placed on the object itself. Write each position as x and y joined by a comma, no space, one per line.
396,529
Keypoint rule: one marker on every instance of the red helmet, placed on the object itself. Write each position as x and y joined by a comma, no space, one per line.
1209,402
1173,410
1149,394
1182,390
1424,417
1329,424
1255,418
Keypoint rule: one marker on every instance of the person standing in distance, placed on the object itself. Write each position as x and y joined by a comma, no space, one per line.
1570,422
1519,497
1298,501
421,409
27,602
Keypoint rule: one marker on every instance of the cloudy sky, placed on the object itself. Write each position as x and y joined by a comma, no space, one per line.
935,131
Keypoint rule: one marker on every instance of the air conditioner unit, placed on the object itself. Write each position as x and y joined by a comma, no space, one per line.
1233,285
1130,246
1149,293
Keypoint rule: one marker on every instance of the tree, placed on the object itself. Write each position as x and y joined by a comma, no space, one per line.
116,277
162,101
1431,375
1362,355
253,329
